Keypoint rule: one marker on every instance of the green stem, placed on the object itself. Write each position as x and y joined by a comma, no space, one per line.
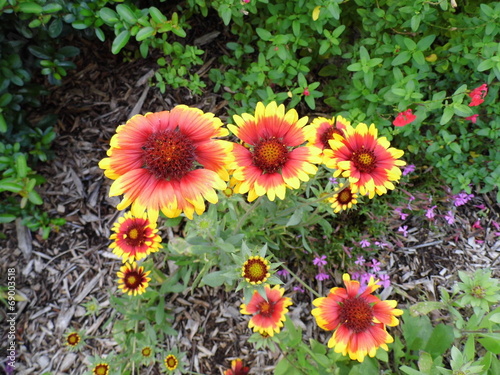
242,219
297,278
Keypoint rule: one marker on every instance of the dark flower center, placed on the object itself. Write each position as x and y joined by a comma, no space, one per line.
135,235
270,155
255,270
101,369
345,196
169,154
266,309
73,339
356,314
171,362
364,160
478,292
133,279
146,352
327,135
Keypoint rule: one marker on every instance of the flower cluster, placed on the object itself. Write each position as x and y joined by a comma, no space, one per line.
404,118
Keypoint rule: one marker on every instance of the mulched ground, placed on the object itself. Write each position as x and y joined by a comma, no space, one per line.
59,274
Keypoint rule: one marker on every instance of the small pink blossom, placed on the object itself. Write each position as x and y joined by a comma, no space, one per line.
408,169
401,214
320,261
462,198
360,261
322,276
364,243
375,265
449,217
298,289
384,280
430,212
477,95
404,118
283,273
472,118
477,225
403,230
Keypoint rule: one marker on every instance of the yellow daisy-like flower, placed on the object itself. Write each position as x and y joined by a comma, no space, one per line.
344,199
269,313
132,279
272,157
357,317
168,161
73,339
146,352
321,131
101,369
256,270
134,237
368,161
171,362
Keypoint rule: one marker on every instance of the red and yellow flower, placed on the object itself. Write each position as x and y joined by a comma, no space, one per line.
171,362
369,162
357,317
321,131
255,270
101,369
237,368
168,161
134,237
132,279
344,199
73,339
269,314
272,157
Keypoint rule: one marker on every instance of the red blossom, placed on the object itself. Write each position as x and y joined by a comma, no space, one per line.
472,118
306,92
404,118
477,95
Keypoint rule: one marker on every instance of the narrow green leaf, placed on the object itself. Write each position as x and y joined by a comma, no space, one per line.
263,34
447,115
21,165
485,65
35,198
108,15
3,124
157,15
51,8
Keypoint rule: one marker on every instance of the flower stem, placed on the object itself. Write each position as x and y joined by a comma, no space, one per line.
242,219
297,278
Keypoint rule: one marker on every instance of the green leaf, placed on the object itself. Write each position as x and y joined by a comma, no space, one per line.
410,44
225,13
55,28
415,22
354,67
157,15
34,197
491,342
108,15
3,124
423,308
21,165
462,110
295,219
32,8
120,41
213,279
263,34
426,42
51,8
100,34
441,340
7,218
10,185
402,58
447,115
144,33
419,58
126,13
485,65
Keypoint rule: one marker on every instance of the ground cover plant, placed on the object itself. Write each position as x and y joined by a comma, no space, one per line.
339,116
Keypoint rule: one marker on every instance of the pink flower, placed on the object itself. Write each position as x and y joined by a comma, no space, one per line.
322,276
477,95
449,217
306,92
408,169
404,118
320,261
375,265
283,273
430,212
472,118
404,230
364,243
477,225
360,261
401,214
384,280
298,289
462,198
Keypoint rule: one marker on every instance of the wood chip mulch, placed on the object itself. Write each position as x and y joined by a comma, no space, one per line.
57,275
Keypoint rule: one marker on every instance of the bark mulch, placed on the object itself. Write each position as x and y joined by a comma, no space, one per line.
57,275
